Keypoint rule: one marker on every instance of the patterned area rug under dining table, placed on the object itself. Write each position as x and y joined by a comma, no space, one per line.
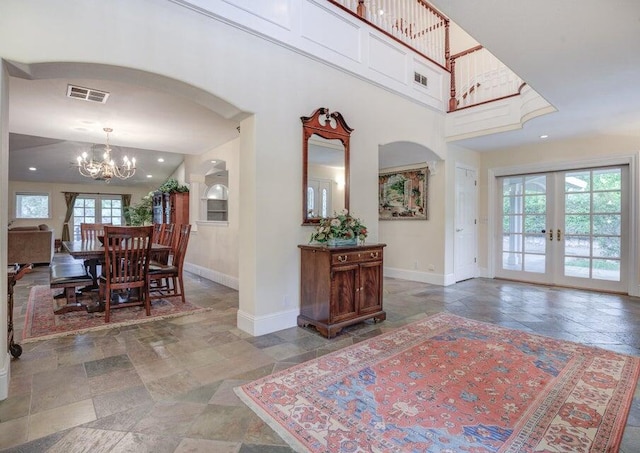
450,384
41,322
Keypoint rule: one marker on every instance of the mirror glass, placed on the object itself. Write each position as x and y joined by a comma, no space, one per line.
325,172
325,177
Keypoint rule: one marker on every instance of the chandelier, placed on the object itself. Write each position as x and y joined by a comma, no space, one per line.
106,169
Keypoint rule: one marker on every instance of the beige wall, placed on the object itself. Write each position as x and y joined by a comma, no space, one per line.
213,247
58,205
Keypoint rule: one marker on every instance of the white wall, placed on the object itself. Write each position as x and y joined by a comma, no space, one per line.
272,82
4,199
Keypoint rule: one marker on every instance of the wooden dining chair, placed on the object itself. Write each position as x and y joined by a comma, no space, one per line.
126,263
90,232
166,237
157,232
166,280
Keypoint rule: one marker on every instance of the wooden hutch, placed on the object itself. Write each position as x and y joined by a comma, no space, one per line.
171,207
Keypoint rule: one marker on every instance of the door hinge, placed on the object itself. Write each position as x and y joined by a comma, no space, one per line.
475,260
475,221
475,182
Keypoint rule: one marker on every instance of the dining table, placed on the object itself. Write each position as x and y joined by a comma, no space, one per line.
92,252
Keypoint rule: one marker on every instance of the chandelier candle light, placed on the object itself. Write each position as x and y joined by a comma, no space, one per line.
106,169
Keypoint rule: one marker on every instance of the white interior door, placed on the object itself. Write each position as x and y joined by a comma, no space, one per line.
465,239
568,228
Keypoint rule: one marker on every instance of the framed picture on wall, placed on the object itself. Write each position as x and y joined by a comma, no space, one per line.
402,194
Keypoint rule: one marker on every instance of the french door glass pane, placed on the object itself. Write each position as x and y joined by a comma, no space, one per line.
524,207
576,267
606,269
534,263
593,224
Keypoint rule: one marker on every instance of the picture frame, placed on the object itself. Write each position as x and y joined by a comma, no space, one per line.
403,194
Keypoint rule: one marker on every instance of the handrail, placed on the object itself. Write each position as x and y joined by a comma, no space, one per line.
413,23
478,77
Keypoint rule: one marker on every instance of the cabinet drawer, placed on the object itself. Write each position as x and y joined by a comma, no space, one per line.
357,257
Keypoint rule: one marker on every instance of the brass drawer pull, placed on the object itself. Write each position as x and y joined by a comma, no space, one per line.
374,254
342,258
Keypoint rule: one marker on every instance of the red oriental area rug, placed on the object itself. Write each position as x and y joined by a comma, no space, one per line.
41,323
449,384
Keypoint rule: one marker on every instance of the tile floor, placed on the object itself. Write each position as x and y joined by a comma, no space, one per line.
166,386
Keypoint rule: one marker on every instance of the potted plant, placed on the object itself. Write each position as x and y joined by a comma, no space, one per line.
141,213
171,186
339,230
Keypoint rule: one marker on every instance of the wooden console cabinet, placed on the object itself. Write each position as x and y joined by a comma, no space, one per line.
340,286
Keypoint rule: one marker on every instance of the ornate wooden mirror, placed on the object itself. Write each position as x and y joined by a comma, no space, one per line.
325,165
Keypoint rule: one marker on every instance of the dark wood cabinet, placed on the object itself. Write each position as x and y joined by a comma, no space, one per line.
340,286
171,207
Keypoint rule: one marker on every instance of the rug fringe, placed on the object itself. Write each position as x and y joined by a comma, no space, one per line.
289,438
112,326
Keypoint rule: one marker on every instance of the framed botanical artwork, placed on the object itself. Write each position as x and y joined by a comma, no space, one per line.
403,194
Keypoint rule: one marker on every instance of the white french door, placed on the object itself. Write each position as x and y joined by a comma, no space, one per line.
565,228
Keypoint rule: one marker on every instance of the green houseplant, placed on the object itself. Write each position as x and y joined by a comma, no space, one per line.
141,213
171,185
341,229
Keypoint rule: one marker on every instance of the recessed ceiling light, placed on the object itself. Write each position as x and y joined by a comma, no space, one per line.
213,161
160,159
32,168
149,176
544,136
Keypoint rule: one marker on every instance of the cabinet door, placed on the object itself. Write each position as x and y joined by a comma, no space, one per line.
344,284
370,292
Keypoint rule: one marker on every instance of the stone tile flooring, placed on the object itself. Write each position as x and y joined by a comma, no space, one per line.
166,386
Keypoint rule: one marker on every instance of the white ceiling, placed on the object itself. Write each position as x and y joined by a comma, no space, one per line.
151,118
582,56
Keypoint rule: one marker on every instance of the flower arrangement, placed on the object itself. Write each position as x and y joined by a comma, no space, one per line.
340,226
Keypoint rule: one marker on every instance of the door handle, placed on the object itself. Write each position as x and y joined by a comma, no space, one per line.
558,234
459,230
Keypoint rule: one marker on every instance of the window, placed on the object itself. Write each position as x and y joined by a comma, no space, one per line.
32,205
96,209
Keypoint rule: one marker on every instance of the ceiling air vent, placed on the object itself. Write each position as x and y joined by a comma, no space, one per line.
419,78
87,94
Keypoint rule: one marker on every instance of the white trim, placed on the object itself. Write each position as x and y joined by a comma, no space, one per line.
214,276
633,285
5,377
262,325
213,223
420,276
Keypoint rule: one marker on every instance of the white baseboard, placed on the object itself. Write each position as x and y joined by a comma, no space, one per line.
420,276
214,276
484,272
262,325
5,377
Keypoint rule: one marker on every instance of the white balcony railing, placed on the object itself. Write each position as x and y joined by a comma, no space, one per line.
478,77
414,23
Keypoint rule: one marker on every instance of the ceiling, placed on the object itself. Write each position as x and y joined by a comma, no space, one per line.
582,56
152,118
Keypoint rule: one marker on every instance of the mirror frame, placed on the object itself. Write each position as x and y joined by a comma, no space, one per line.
320,123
